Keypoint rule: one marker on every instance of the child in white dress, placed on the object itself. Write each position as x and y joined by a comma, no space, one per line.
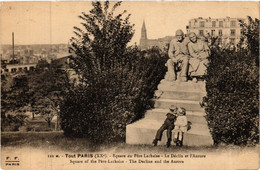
180,128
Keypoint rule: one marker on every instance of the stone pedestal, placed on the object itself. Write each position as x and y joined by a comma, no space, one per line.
183,94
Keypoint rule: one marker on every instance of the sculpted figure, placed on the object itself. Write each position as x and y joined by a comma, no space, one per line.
178,58
199,52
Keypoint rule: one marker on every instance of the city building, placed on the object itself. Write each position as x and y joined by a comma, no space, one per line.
12,68
227,29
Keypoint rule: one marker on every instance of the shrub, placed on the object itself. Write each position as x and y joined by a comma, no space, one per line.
232,98
13,122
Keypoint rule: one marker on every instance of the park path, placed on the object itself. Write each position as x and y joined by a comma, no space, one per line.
183,94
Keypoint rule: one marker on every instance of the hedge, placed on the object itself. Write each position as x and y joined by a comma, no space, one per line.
232,97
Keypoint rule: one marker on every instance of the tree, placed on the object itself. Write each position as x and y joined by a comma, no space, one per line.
14,96
47,87
250,37
47,109
116,81
102,42
14,92
99,51
41,65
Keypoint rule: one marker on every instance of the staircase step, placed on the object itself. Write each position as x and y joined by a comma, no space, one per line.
189,105
159,110
182,86
201,129
160,114
181,95
143,132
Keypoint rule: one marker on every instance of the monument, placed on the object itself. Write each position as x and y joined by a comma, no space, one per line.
182,94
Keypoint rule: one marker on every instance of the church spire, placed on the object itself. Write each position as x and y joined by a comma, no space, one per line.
143,32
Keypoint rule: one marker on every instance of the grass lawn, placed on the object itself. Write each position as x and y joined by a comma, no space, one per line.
58,141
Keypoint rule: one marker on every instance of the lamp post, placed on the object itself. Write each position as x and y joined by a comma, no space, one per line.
58,118
31,110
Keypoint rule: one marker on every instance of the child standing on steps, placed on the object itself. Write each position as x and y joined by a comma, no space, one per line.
168,124
181,124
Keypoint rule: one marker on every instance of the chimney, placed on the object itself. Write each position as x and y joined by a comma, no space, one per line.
13,44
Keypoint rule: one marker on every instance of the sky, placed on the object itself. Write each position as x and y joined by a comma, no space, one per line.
52,22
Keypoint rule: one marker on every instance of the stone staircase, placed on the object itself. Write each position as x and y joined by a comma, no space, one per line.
183,94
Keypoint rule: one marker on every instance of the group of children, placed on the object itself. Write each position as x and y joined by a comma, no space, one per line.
177,121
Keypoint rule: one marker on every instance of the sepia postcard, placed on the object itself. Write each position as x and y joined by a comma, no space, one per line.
129,85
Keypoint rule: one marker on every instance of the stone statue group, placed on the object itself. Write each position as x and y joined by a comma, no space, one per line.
187,58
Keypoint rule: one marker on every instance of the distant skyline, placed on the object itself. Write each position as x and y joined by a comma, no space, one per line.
52,22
